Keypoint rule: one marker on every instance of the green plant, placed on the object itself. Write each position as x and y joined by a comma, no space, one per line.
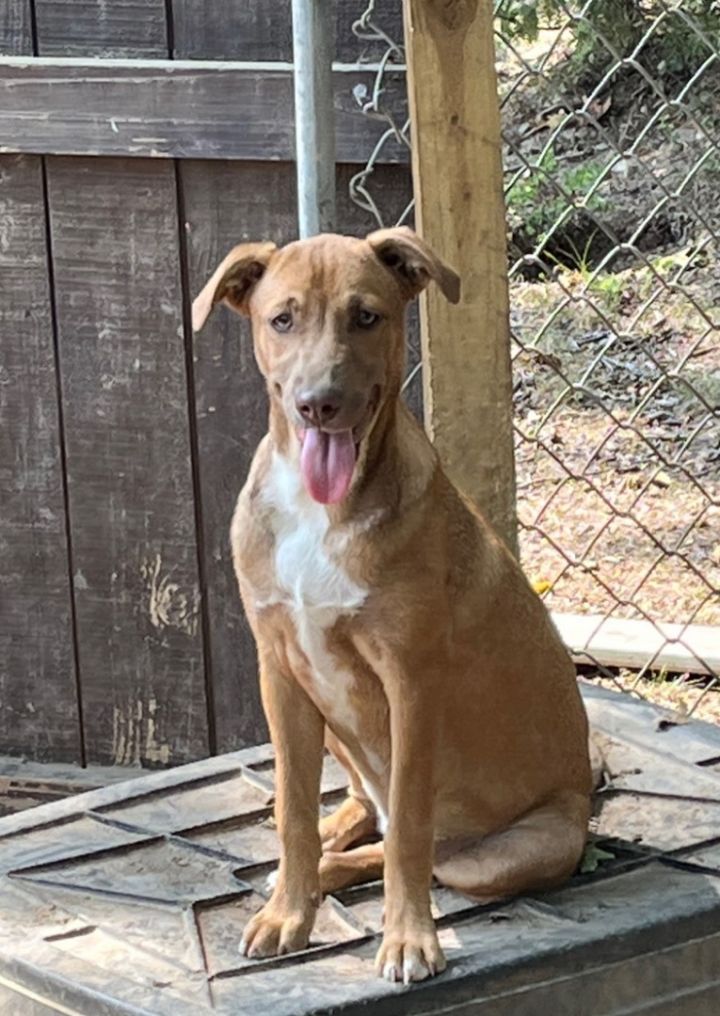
579,180
536,201
522,19
577,260
671,46
532,200
609,288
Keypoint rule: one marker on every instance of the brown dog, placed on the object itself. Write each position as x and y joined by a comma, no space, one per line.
390,622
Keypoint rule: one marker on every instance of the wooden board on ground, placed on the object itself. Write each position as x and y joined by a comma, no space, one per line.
25,784
650,726
617,642
131,510
39,710
132,898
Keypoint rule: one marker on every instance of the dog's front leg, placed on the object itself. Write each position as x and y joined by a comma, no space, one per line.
297,729
410,950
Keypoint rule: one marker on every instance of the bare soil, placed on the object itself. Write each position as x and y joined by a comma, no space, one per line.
613,200
614,210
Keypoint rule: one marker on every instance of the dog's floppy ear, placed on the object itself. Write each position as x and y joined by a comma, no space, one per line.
232,281
413,262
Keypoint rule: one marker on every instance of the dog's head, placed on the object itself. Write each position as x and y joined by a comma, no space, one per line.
328,327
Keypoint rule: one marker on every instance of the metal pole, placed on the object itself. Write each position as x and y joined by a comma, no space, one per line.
314,47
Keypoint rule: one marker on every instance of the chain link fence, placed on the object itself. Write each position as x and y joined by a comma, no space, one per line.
611,147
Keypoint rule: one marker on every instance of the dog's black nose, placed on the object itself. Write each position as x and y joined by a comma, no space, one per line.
318,408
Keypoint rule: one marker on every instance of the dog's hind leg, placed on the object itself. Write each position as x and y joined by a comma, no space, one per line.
538,851
339,869
356,818
353,821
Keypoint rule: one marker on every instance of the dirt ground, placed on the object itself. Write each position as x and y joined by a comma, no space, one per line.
613,203
619,477
613,198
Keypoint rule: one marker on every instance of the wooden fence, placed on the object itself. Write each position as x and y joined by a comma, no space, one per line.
139,139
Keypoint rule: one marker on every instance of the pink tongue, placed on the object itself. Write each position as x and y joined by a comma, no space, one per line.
327,462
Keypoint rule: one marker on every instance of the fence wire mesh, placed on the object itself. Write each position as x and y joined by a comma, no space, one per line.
611,148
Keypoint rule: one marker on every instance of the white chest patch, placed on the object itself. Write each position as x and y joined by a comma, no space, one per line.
310,580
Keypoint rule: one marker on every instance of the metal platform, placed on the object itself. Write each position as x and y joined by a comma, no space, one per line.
131,899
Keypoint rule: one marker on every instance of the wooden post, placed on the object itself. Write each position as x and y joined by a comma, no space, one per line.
457,175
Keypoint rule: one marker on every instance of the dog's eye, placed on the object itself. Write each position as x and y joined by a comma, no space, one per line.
366,318
282,322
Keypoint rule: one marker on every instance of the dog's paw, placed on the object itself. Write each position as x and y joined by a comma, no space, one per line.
274,932
410,955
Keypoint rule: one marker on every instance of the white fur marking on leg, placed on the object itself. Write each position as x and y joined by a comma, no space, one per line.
371,791
271,881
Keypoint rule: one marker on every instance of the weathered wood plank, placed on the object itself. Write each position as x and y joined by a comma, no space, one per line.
38,707
226,203
115,250
457,169
626,718
133,28
181,109
617,642
217,30
258,30
632,936
15,27
16,771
